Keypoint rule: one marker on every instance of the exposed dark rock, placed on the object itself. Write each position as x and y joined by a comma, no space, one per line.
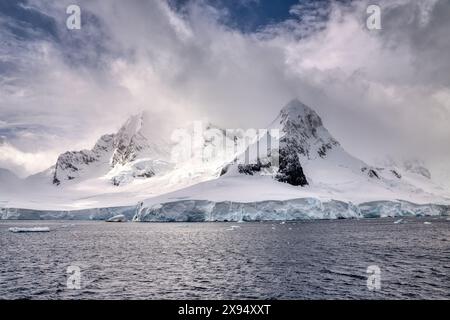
147,174
56,180
224,169
250,169
372,173
290,170
395,173
323,150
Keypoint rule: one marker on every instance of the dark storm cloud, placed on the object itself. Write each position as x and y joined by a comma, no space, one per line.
25,22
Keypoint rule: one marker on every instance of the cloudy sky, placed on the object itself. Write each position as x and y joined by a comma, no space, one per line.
232,62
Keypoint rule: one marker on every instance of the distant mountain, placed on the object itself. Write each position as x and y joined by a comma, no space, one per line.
8,178
9,183
113,152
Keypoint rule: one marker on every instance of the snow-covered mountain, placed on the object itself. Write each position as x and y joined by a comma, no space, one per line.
122,156
125,167
304,173
309,154
312,165
8,179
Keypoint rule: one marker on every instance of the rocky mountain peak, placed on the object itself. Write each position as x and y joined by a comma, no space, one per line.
110,150
129,140
296,109
303,131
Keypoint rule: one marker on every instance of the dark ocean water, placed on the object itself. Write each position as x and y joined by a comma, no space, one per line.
302,260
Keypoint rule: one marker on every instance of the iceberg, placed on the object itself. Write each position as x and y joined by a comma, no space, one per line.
118,218
33,229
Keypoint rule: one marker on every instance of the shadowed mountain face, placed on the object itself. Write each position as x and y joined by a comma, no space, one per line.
309,153
303,135
129,142
290,170
302,138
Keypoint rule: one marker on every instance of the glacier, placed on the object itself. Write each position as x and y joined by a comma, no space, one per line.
287,210
85,214
227,211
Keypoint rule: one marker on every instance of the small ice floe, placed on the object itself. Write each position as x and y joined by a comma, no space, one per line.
33,229
426,222
118,218
282,222
233,228
68,225
398,221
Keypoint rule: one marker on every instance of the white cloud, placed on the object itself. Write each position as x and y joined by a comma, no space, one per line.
22,163
378,91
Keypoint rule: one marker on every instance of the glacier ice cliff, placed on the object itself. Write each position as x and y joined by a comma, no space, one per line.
84,214
270,210
288,210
